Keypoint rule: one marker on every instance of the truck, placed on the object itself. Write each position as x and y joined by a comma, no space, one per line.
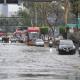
33,33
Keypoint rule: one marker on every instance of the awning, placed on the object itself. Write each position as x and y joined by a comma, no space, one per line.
2,33
73,25
33,29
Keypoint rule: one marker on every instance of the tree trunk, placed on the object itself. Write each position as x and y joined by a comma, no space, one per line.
66,11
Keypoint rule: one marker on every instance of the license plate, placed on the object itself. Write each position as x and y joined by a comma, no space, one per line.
67,50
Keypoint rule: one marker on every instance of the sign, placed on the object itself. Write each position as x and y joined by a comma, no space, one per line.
73,25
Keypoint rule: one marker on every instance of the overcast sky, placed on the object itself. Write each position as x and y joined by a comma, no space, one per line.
11,7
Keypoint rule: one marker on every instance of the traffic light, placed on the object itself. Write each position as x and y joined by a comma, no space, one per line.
12,1
1,1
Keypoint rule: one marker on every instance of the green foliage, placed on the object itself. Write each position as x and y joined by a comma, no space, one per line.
26,18
75,4
63,32
62,29
44,30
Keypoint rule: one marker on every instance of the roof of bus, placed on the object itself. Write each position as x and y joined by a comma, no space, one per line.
33,29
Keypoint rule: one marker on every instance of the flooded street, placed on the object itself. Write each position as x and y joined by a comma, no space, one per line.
22,62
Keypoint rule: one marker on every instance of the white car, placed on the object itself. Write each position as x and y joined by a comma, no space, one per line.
39,42
0,39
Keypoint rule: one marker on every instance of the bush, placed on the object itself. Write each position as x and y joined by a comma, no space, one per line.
44,30
62,30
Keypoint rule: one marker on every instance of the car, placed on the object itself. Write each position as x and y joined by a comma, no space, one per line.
79,50
66,47
39,42
79,47
0,39
13,39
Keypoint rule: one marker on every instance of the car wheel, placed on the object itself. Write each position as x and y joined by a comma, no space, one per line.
79,52
72,53
60,53
42,46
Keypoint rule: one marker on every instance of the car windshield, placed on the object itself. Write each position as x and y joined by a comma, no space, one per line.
66,42
39,40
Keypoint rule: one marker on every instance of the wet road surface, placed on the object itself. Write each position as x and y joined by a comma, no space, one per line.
22,62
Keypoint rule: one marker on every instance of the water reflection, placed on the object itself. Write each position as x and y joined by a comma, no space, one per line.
20,62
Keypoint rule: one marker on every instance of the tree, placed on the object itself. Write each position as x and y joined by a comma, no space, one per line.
25,21
75,8
75,5
66,10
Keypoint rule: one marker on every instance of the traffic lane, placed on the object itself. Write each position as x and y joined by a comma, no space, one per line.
33,63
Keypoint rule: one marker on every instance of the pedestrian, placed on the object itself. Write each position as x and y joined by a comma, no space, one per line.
50,43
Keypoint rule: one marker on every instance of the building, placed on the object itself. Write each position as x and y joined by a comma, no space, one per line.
5,10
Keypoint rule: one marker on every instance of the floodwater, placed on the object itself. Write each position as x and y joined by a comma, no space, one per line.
22,62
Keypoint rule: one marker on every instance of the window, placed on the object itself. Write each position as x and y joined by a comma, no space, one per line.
1,1
12,1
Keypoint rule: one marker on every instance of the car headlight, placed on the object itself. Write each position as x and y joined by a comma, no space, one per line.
74,47
79,48
60,47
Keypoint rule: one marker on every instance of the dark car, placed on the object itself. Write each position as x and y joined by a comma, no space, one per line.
66,47
79,48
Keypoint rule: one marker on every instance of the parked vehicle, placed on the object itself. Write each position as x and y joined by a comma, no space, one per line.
0,39
33,33
39,42
66,47
21,34
13,40
79,48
